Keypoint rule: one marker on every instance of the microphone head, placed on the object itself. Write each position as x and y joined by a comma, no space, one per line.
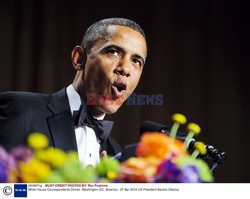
149,126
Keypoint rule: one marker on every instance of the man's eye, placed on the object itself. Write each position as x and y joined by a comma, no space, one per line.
137,62
113,52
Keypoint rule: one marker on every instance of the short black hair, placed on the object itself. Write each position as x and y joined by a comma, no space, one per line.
98,30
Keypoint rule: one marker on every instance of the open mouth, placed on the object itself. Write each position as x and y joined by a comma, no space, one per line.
119,89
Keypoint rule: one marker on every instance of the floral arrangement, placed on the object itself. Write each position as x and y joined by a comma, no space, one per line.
160,158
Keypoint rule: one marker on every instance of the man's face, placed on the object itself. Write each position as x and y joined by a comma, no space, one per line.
113,68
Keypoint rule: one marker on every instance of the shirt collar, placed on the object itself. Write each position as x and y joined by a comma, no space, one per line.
75,100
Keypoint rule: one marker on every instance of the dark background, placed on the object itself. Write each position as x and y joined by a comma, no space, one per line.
198,58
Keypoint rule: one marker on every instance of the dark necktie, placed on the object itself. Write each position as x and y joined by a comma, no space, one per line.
102,128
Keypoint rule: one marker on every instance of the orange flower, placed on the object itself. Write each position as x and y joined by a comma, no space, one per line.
138,169
159,145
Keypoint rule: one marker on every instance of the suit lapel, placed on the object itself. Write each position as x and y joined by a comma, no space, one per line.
62,127
61,122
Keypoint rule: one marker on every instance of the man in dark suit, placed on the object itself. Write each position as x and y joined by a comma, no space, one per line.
108,65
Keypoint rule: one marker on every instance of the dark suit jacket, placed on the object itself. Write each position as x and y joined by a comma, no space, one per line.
22,113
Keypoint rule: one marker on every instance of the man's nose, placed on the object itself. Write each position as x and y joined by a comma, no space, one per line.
123,68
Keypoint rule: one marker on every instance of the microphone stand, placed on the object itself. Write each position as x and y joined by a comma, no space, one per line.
212,153
217,156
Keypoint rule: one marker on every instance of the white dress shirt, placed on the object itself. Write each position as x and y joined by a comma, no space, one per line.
87,144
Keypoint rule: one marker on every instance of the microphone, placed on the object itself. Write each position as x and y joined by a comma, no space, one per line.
149,126
152,126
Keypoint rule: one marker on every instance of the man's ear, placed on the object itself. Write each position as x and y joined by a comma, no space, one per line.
78,57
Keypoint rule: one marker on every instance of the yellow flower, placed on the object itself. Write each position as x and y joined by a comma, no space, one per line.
194,128
33,171
53,156
179,118
111,175
200,146
37,141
